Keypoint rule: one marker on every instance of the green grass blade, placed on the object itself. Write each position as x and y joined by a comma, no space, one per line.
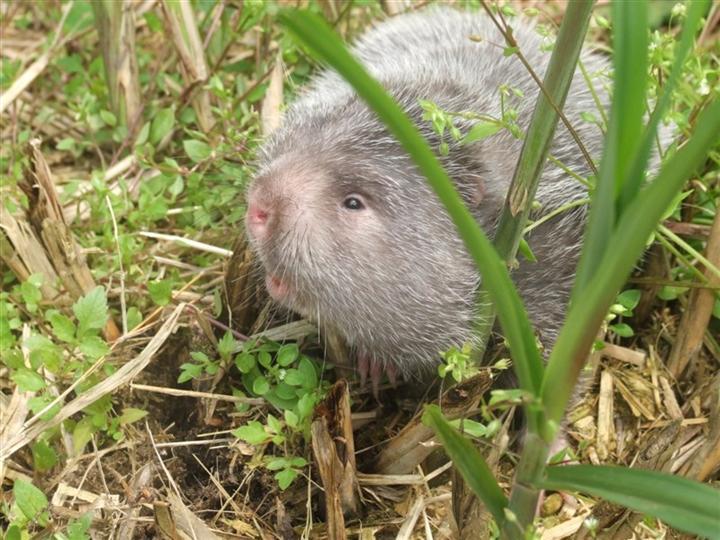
469,462
635,176
628,242
624,133
325,45
684,504
630,56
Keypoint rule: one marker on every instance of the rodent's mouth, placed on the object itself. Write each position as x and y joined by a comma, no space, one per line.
279,290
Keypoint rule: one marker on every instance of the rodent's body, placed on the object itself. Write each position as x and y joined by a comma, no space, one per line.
350,233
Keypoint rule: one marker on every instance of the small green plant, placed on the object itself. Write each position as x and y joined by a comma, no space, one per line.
30,505
64,346
29,508
457,363
289,381
287,469
623,307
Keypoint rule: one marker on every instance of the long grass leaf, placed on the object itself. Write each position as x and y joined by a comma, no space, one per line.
469,462
628,241
328,47
635,176
624,133
684,504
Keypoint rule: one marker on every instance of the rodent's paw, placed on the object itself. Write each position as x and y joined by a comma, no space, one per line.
375,368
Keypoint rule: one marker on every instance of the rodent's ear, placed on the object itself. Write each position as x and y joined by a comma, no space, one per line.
477,191
469,173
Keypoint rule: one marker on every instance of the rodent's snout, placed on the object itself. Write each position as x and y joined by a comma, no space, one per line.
257,218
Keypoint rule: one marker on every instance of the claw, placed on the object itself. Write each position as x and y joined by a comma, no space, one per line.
391,372
363,369
376,372
368,366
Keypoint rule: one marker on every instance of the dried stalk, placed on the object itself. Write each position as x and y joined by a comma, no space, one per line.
182,27
334,450
698,311
46,244
116,28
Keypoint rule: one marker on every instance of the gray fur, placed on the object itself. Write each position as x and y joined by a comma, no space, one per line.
397,282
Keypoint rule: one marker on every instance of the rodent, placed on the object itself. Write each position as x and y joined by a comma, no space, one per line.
350,234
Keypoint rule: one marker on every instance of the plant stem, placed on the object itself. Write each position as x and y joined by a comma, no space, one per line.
524,496
533,156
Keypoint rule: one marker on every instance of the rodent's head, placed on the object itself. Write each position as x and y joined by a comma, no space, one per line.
350,234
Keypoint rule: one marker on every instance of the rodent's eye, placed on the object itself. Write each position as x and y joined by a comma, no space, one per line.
353,202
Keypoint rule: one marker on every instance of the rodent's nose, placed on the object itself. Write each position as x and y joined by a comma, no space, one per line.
257,219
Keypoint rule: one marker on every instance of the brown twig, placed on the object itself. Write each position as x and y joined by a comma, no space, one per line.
698,311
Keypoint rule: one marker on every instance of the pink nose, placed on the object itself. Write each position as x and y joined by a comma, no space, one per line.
257,219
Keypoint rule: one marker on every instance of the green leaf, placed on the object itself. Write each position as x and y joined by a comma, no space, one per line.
63,327
681,503
43,353
471,427
38,403
82,433
91,311
306,405
261,386
469,462
199,356
293,377
134,317
13,533
93,347
67,143
44,457
291,419
30,500
30,292
481,130
670,292
27,380
629,298
264,358
227,345
287,354
245,362
275,464
197,150
162,124
622,330
274,424
253,433
633,181
285,391
160,291
285,478
130,415
108,118
308,373
526,251
189,371
77,529
624,135
143,135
